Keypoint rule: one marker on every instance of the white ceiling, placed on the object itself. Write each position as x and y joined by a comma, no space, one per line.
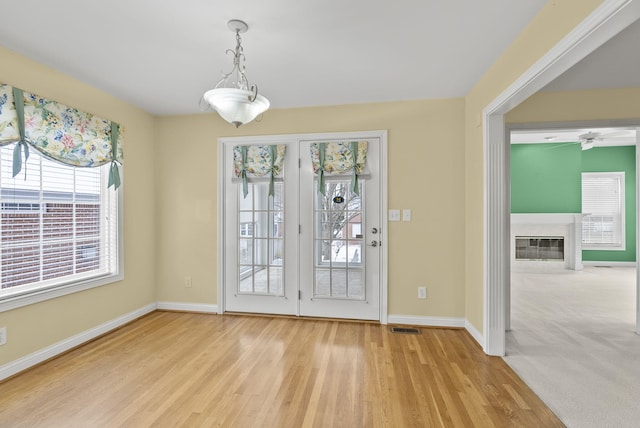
604,137
163,55
616,64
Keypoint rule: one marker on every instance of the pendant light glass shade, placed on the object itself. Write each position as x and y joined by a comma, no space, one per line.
235,105
233,98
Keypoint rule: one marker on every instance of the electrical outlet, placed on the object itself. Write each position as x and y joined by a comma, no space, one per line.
422,292
187,282
3,336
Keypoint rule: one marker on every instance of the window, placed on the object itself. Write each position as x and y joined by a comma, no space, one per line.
246,229
59,229
603,211
356,230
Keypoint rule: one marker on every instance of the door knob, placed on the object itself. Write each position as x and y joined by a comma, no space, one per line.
374,230
373,244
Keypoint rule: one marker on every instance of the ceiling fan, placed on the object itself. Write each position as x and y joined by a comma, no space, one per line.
616,137
588,140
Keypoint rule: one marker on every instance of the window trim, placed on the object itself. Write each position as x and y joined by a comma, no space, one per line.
622,202
11,302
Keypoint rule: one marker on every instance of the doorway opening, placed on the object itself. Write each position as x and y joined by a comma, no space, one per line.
549,168
605,22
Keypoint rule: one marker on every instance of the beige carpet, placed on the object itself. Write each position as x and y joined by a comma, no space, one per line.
573,341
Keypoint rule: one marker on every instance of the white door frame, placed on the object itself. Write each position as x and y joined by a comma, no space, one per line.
224,173
611,17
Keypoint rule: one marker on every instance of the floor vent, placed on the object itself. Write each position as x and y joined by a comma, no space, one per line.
404,330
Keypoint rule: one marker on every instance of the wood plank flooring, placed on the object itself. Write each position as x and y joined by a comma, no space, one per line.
197,370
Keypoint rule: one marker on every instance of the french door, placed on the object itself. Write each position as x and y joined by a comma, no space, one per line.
303,248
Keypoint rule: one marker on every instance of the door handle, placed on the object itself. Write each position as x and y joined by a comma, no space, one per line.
373,244
374,230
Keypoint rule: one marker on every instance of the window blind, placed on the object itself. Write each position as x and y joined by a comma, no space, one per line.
603,209
58,223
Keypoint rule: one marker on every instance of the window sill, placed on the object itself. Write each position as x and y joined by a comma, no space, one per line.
604,248
10,302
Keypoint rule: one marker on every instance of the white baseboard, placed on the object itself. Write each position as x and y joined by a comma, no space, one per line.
188,307
439,322
610,264
426,321
49,352
474,333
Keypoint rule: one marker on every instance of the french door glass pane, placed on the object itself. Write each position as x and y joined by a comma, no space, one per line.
261,237
246,252
338,240
322,283
356,283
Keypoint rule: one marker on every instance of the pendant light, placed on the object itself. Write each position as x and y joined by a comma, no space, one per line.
233,98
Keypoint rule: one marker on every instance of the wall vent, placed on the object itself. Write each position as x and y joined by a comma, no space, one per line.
405,330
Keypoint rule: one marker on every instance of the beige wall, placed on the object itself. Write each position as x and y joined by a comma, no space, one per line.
556,19
602,104
37,326
425,165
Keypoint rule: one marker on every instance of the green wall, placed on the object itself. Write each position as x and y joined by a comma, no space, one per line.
604,159
545,178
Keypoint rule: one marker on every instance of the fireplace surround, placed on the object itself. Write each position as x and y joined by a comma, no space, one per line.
549,229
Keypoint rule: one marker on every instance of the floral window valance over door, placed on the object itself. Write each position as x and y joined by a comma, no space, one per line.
258,161
339,158
59,132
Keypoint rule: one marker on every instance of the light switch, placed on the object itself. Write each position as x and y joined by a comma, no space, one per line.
394,215
406,215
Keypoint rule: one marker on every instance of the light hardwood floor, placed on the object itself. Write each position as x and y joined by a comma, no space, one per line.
193,370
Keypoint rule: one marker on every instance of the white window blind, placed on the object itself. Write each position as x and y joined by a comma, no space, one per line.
603,210
58,225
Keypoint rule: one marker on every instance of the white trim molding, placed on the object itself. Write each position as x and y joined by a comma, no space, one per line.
42,355
607,20
609,264
477,336
426,321
188,307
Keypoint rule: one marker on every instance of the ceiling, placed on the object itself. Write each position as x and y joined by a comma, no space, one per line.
163,55
602,137
616,64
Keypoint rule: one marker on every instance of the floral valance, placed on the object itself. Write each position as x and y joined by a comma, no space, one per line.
59,132
258,161
336,158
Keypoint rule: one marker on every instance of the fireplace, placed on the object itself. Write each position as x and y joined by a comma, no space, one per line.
539,248
546,241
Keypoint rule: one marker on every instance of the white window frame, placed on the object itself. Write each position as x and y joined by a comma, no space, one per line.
619,246
55,289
